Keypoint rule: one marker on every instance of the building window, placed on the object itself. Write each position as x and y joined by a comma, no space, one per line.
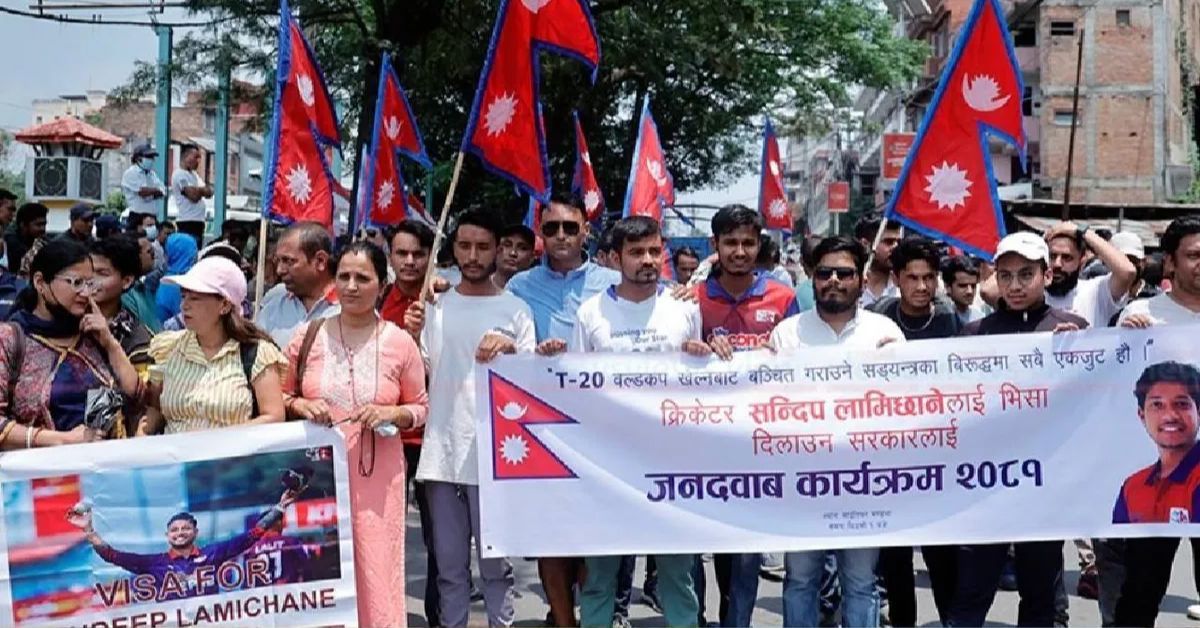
1027,104
1062,28
1123,16
1026,35
210,121
867,185
1062,117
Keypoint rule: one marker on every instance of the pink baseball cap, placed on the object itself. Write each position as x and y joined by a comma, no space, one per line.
213,275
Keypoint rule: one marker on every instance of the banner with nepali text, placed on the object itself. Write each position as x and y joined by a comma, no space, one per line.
237,527
965,440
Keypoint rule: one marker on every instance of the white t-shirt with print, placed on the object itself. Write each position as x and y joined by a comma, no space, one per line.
1091,299
607,323
453,328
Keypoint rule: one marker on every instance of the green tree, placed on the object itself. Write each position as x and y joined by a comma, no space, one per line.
115,202
711,67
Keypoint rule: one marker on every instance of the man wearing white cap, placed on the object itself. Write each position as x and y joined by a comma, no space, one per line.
1022,274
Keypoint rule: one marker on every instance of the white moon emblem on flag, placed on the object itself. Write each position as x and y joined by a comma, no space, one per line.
982,93
307,93
514,449
392,126
585,157
948,186
774,167
299,184
387,193
499,114
512,411
534,5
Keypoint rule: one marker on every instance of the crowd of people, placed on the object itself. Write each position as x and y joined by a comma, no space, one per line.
143,330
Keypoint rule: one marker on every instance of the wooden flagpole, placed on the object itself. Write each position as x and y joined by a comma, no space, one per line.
1066,208
260,272
440,235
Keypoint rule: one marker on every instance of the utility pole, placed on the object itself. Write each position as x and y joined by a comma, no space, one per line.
221,195
162,111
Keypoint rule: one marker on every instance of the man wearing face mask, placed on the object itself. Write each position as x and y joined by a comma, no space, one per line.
143,189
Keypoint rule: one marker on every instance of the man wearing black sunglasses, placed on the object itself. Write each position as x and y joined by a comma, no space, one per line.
836,320
553,291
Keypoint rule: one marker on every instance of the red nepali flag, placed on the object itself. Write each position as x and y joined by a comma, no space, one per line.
772,200
298,184
505,127
947,190
584,183
517,454
395,133
650,186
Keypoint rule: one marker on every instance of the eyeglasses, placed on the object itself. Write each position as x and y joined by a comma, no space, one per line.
78,284
550,229
1024,277
825,273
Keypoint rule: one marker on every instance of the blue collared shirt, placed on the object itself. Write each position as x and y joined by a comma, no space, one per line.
554,297
282,312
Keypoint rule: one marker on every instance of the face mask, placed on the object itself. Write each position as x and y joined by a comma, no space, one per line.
61,316
147,163
151,232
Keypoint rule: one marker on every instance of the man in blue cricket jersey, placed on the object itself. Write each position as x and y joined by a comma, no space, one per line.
183,556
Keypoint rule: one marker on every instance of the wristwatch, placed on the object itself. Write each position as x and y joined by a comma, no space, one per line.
1080,232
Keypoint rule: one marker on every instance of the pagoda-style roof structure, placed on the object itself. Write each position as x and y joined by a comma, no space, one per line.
67,136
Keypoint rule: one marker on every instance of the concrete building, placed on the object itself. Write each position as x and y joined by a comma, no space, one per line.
77,106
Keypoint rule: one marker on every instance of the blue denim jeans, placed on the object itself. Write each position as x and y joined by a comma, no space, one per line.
802,586
737,577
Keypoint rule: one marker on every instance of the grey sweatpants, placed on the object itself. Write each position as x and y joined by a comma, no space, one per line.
454,511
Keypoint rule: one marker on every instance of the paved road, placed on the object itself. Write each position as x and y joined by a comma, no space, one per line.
531,606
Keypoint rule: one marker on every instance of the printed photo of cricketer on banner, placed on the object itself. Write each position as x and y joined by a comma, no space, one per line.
967,440
259,537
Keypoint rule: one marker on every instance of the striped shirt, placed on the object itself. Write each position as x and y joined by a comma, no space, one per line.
201,394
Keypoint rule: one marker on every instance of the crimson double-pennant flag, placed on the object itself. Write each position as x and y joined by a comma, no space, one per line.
772,200
386,199
298,184
584,182
946,189
505,126
651,187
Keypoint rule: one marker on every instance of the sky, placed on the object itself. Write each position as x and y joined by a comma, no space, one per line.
45,59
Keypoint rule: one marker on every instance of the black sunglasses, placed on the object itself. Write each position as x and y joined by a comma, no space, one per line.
825,273
550,229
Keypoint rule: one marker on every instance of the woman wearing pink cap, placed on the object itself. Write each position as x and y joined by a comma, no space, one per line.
365,376
220,370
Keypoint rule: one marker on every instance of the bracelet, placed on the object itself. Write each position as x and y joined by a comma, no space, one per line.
29,432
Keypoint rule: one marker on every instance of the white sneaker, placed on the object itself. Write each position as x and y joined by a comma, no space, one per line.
1193,611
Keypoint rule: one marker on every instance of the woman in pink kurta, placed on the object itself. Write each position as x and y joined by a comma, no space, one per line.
364,376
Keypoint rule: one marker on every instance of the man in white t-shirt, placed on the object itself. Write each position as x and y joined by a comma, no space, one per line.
189,192
143,189
473,322
837,319
1148,562
637,315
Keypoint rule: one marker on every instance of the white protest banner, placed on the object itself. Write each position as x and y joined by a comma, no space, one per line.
968,440
184,531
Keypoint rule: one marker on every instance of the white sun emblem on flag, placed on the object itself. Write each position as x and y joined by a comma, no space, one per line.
392,126
778,208
387,193
585,157
514,449
534,5
774,167
299,184
500,113
656,172
305,85
591,200
948,186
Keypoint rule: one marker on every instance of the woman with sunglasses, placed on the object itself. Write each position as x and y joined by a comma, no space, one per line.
220,370
364,375
63,376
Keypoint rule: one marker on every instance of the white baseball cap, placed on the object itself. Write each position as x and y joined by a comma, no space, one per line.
1027,244
213,275
1130,244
